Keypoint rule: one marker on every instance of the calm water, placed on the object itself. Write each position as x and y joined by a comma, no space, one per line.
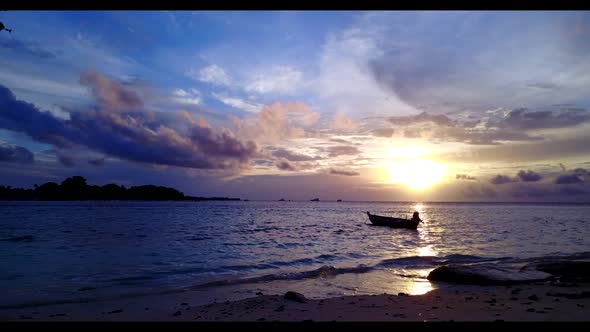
229,250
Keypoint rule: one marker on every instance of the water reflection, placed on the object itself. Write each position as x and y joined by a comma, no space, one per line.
419,287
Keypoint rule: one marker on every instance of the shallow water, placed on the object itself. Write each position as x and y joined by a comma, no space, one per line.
223,250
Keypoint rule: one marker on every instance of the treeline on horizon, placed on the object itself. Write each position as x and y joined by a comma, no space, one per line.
75,188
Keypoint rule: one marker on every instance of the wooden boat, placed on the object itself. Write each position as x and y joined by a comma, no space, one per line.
392,222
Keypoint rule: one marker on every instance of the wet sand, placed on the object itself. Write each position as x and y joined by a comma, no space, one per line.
534,302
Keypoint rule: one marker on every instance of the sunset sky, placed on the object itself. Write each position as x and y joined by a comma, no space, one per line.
426,106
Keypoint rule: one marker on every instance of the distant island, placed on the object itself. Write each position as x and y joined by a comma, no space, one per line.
75,189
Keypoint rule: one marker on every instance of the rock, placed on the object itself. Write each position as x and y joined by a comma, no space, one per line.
178,313
530,310
281,308
566,270
294,296
402,294
485,274
533,297
116,311
86,289
184,303
259,293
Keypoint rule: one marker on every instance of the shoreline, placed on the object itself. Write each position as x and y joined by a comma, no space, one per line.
528,302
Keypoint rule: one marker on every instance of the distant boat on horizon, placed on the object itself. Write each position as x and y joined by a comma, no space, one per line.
339,200
281,200
315,200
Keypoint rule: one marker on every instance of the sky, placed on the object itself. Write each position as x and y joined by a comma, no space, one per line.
352,105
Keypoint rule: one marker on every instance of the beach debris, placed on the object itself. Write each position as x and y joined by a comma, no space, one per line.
294,296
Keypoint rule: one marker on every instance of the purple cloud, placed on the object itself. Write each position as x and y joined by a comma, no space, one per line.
502,179
343,172
529,176
119,126
285,165
465,177
15,154
340,150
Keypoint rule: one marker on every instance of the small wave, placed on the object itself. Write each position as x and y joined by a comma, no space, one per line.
322,272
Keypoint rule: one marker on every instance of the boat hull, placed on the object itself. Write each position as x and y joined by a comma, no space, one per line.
392,222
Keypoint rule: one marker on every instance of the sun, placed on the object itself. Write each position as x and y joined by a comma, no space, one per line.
416,173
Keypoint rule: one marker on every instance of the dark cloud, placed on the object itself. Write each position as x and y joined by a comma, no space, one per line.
424,117
529,176
412,133
66,160
542,85
343,172
97,162
340,150
25,48
285,165
292,156
465,177
383,132
524,119
502,179
577,175
15,154
119,126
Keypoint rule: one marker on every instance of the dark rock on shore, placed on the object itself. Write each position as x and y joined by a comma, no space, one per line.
294,296
485,274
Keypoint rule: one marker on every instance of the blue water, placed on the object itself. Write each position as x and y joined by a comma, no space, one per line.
100,250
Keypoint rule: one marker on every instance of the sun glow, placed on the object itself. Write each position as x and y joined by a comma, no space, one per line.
411,169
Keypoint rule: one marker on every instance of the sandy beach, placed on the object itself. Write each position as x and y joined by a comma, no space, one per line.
533,302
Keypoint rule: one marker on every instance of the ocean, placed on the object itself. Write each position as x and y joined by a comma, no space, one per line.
219,250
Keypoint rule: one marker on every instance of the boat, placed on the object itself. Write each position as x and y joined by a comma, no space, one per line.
378,220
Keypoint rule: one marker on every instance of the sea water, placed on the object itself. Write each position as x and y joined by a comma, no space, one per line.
217,250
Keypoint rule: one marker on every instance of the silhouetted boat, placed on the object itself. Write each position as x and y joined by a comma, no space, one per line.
315,200
392,222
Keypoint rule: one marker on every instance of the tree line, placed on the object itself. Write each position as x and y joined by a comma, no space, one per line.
75,188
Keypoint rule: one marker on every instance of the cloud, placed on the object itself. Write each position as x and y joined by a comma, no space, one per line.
285,165
342,123
383,132
15,154
502,179
292,156
341,150
424,117
276,122
577,175
244,105
343,172
25,48
529,176
470,131
119,126
211,74
97,162
281,79
192,97
65,160
524,119
465,177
